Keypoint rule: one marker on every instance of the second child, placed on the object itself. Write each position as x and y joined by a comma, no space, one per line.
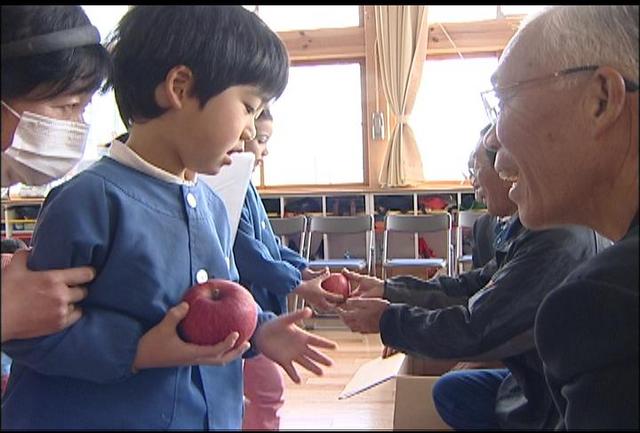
270,271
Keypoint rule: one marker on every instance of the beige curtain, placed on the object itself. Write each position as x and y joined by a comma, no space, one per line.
401,38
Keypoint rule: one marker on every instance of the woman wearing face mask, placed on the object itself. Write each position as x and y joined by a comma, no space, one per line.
52,63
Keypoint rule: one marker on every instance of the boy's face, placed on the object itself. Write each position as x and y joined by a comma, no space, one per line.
221,127
258,146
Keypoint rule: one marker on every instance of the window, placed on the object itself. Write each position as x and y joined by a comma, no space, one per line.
448,114
102,113
285,18
451,14
466,13
521,9
317,131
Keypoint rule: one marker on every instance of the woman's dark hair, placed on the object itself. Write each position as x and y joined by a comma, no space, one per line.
11,245
223,46
70,70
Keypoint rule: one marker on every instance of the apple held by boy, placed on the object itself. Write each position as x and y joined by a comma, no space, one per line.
216,309
338,284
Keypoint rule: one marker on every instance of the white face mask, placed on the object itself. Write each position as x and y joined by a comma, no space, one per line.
43,149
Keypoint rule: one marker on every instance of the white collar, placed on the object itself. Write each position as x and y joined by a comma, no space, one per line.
126,156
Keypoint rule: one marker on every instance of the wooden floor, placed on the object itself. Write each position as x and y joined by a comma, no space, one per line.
313,404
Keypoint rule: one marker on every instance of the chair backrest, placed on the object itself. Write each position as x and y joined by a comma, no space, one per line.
343,225
466,219
418,223
289,226
426,223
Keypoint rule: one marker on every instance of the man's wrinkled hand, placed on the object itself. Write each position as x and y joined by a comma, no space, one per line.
363,314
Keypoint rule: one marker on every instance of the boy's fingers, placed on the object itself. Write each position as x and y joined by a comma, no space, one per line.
319,357
307,364
332,296
177,313
317,341
291,372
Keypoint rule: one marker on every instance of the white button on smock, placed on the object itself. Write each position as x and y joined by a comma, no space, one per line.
191,199
202,276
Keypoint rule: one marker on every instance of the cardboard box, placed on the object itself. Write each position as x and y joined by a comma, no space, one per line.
414,377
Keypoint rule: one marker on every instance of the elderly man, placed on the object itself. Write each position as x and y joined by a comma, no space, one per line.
565,101
484,314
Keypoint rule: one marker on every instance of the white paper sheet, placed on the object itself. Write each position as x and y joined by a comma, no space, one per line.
231,185
372,373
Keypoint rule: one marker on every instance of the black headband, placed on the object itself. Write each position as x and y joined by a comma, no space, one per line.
49,42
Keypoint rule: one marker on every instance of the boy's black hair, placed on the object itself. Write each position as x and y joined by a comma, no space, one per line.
71,70
223,46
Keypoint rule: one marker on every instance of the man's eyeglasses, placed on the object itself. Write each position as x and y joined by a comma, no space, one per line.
492,99
491,156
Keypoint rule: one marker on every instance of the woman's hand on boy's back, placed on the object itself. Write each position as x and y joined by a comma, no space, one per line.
162,347
37,303
283,342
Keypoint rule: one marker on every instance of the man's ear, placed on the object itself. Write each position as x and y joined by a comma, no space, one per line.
605,101
175,88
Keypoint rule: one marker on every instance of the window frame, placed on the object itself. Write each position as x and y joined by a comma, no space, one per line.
321,62
474,38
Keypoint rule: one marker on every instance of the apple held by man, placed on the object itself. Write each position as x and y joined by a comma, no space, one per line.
338,284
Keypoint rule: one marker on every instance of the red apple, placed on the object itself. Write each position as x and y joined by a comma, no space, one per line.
338,284
217,308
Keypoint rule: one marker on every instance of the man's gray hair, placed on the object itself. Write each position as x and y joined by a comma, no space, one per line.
572,36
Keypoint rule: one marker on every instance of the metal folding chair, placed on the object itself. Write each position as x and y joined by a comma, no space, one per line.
466,219
291,228
418,224
332,228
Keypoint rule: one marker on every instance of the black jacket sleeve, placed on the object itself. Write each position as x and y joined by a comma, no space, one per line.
438,292
498,315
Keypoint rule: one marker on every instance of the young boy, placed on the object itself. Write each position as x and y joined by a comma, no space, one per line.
270,271
190,81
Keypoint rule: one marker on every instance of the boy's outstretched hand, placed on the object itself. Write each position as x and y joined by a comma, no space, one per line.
161,346
283,342
313,293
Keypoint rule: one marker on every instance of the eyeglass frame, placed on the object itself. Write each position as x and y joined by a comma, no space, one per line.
630,86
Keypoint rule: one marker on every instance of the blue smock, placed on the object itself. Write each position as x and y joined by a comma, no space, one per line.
148,239
267,268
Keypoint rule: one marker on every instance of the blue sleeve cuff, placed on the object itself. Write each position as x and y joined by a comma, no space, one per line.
263,317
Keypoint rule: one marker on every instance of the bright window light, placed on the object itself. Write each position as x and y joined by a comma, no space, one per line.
284,18
450,14
102,113
317,129
448,114
521,9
